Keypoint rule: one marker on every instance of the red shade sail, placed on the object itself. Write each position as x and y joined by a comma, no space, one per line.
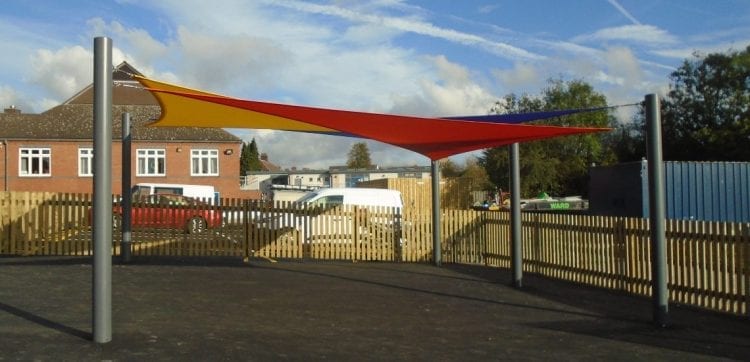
435,138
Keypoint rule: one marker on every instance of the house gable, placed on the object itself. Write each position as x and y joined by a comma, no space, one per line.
73,120
125,91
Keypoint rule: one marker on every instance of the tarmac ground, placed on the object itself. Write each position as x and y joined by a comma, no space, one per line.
223,309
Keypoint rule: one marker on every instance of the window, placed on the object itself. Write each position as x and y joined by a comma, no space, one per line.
35,162
204,162
151,162
329,201
85,162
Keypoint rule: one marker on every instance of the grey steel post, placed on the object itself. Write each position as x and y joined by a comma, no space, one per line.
435,172
657,212
102,226
127,197
515,215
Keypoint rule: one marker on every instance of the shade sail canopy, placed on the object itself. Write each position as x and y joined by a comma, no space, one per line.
435,138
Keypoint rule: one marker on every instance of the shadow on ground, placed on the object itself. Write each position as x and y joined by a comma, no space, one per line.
222,308
689,328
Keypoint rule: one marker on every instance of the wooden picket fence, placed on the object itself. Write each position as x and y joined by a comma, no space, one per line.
708,262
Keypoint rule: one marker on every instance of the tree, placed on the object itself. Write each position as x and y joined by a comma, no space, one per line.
250,158
254,155
626,141
359,156
462,181
558,166
480,181
448,168
706,115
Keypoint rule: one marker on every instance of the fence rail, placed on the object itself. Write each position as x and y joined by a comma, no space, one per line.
708,262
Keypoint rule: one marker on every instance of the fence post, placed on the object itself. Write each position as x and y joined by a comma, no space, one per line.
4,245
355,232
127,197
245,214
621,253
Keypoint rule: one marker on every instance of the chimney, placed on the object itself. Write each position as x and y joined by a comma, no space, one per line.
12,110
264,156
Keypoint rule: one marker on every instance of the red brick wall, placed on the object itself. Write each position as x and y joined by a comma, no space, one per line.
65,177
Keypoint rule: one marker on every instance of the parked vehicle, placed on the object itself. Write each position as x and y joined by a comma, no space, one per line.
204,193
318,201
353,196
169,211
328,212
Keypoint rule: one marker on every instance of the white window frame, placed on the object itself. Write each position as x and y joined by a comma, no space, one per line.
85,161
204,162
155,157
28,156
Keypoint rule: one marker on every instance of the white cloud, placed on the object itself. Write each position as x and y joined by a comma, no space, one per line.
62,72
368,34
523,77
8,97
624,64
642,34
215,63
451,93
144,47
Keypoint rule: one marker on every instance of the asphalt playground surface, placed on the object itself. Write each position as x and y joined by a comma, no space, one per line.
173,309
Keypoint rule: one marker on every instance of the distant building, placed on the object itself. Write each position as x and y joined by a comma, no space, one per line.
289,184
267,165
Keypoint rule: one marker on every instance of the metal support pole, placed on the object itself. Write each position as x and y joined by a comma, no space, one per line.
657,211
436,252
102,226
127,196
515,215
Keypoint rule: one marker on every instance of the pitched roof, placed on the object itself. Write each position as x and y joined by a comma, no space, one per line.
269,166
73,120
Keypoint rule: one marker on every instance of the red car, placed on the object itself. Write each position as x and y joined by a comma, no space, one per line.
169,211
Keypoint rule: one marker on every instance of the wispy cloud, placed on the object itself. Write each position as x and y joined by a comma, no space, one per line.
486,9
624,11
414,25
689,52
641,34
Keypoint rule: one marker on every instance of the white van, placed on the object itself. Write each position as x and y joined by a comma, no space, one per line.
328,197
323,226
322,223
202,192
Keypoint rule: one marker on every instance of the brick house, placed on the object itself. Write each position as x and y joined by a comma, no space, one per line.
53,151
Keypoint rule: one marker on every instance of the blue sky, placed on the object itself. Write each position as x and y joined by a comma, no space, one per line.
426,58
